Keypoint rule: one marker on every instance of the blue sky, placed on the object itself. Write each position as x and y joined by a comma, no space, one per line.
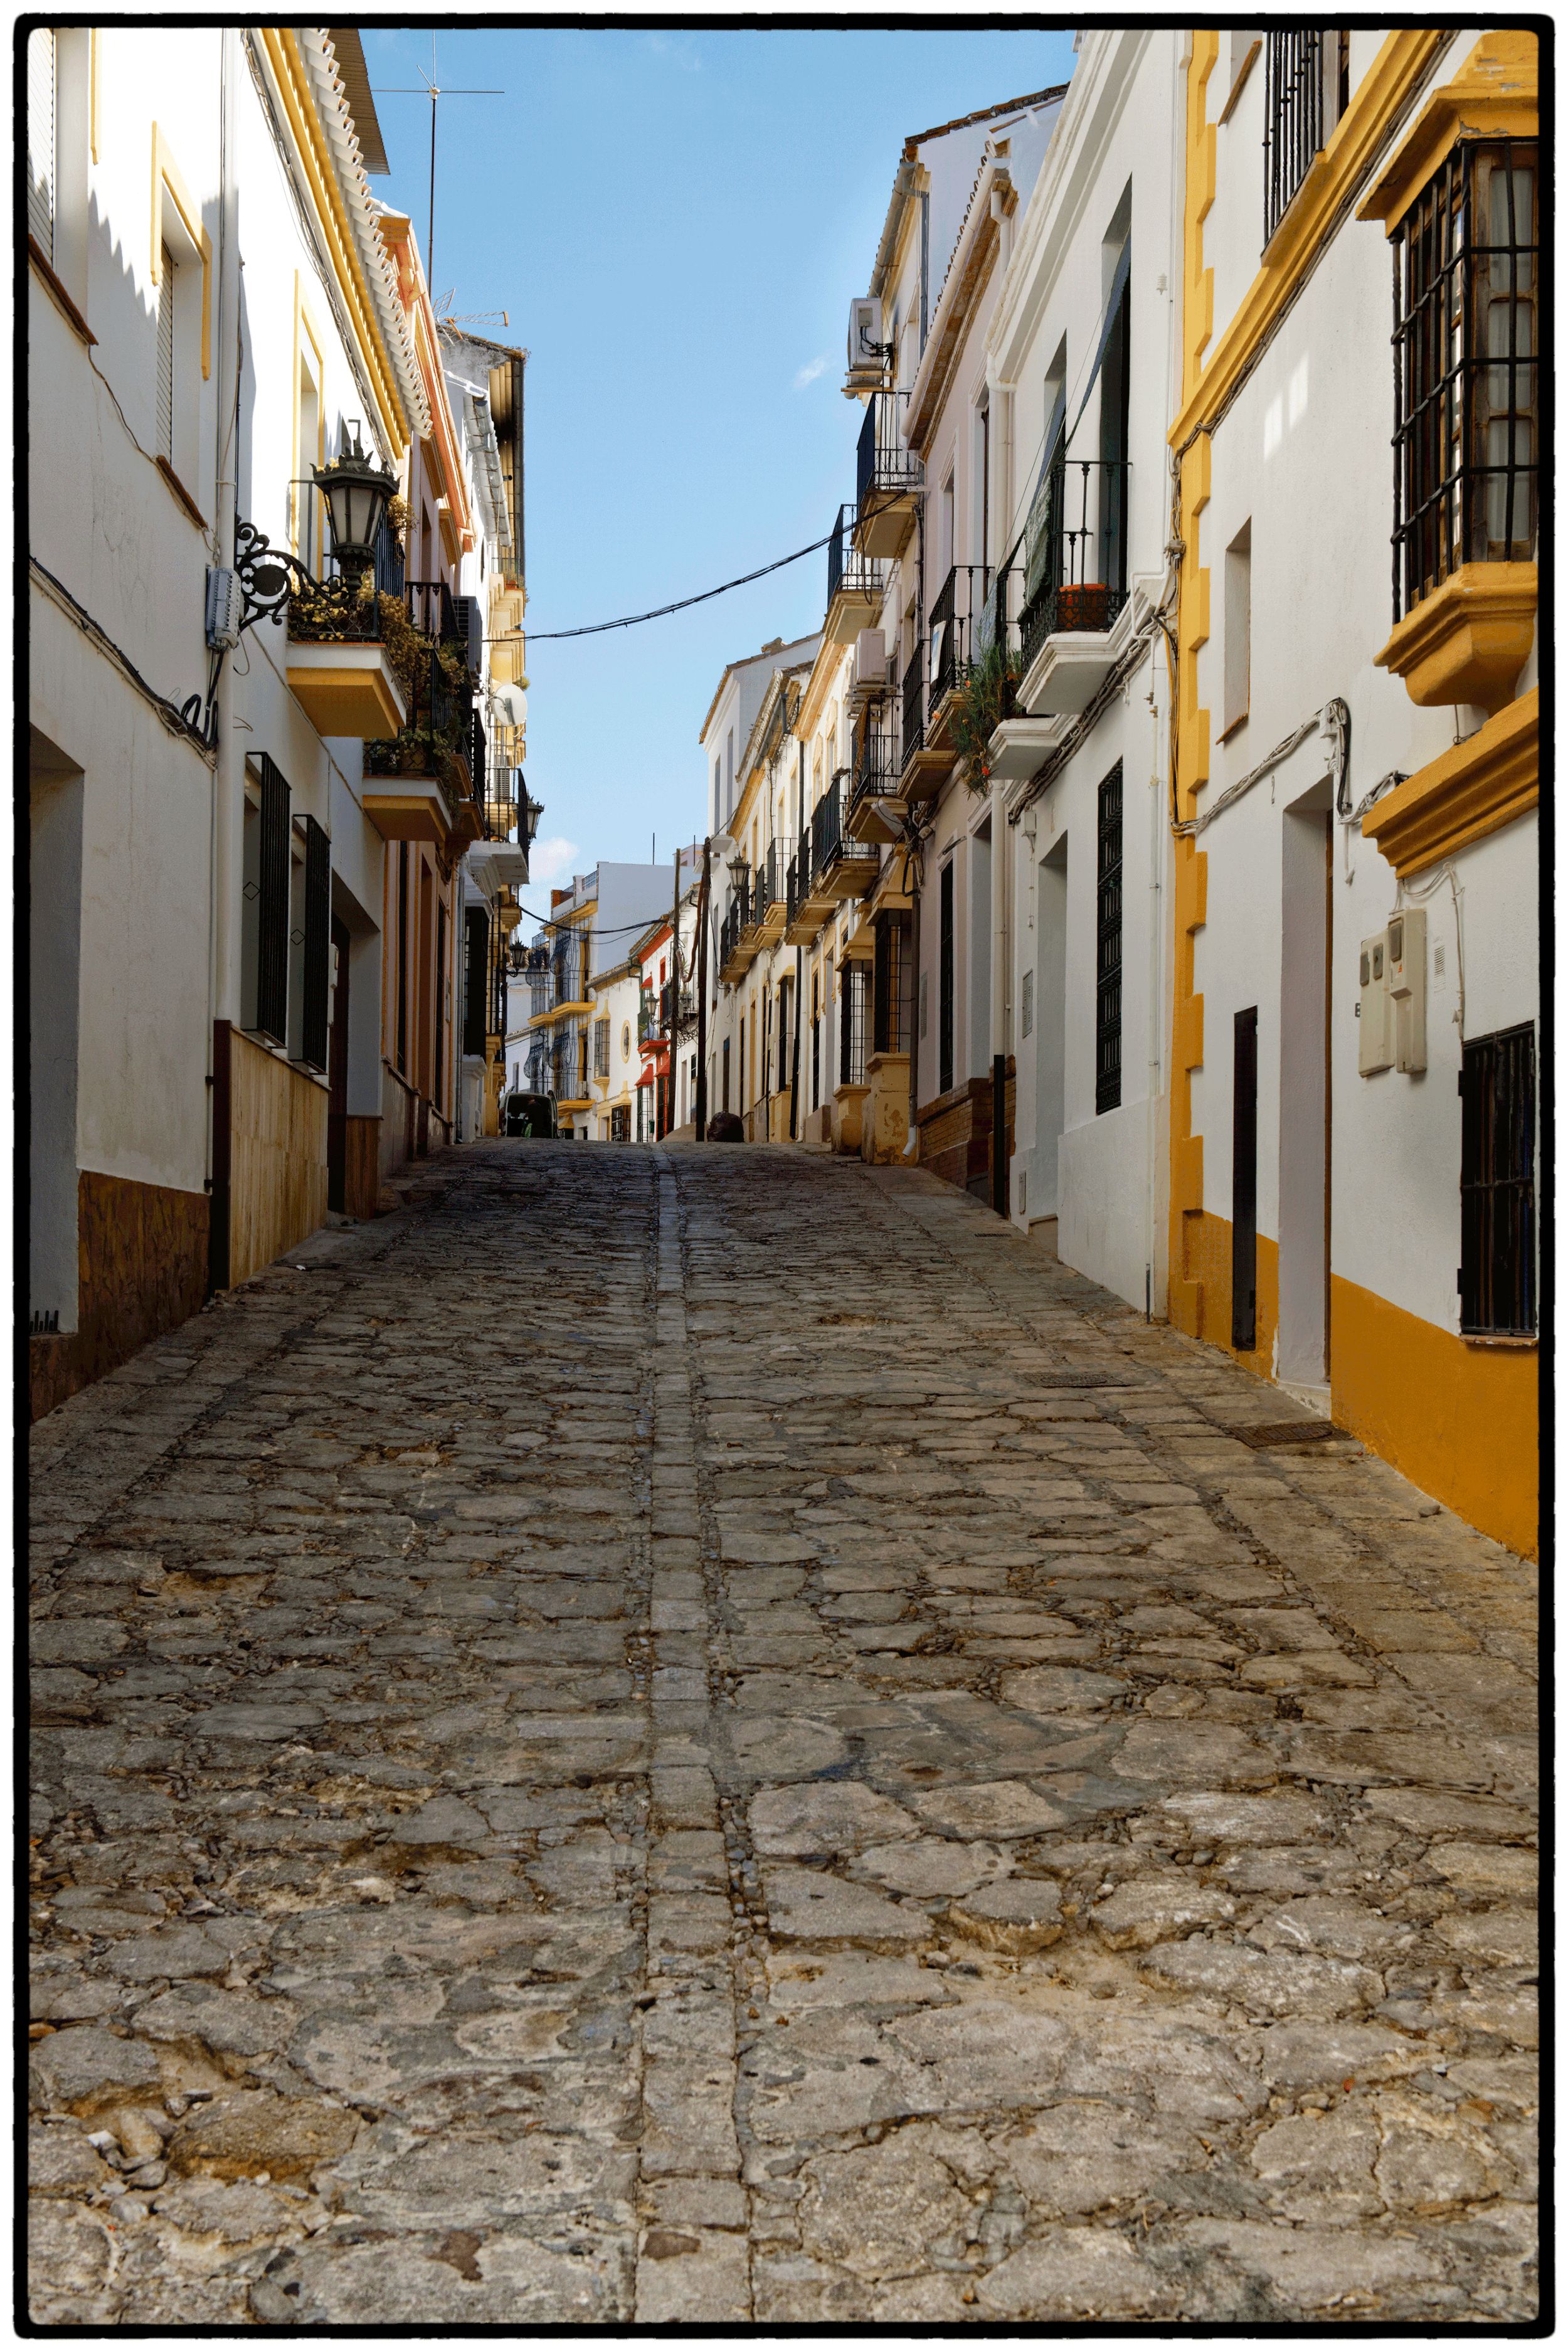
675,223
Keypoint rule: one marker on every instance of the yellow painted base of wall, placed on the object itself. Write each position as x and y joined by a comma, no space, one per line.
1208,1265
277,1180
1461,1421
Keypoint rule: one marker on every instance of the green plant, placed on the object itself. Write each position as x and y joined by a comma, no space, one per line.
981,699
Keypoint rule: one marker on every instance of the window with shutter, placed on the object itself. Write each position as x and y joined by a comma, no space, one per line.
41,142
477,940
1107,926
317,945
272,907
1497,1184
166,359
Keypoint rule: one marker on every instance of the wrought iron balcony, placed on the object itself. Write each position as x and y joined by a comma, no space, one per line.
855,582
963,619
841,867
888,477
914,733
1076,558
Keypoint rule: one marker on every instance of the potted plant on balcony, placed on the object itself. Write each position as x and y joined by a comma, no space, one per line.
981,699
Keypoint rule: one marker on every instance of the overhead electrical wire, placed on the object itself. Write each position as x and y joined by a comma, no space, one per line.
633,620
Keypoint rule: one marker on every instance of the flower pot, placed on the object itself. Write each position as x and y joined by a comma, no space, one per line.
1085,606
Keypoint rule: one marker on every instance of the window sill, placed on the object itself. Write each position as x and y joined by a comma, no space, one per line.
1470,639
1234,727
1482,784
62,300
1528,1340
181,495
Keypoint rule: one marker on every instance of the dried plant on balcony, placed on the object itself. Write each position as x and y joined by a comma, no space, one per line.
981,699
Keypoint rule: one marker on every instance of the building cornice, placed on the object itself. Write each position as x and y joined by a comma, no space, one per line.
371,320
1043,239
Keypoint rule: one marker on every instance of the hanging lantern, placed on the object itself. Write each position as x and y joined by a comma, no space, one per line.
356,492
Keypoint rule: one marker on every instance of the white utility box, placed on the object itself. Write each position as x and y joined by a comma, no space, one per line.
1406,969
1376,1040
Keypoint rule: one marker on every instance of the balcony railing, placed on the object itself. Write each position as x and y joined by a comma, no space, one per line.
444,735
1075,565
831,847
885,469
848,572
963,620
1292,118
768,883
914,732
333,612
877,767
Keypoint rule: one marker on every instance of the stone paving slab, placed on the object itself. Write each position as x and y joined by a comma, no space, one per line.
678,1736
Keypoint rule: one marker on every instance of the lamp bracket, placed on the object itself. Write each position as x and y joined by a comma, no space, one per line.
265,575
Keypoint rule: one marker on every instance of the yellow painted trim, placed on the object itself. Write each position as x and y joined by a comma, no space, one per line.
1189,1303
1370,120
1467,641
92,119
1209,1247
1462,1421
165,175
282,55
1475,789
1494,95
305,327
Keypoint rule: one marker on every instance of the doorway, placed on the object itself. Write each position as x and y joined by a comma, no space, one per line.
1305,1088
338,1073
1050,1032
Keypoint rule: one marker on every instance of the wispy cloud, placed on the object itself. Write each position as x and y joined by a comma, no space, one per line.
549,860
810,372
681,53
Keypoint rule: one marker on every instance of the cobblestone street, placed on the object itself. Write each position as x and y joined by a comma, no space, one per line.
710,1735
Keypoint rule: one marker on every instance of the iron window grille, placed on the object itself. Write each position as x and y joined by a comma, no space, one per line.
1292,118
1466,369
888,986
601,1049
852,1025
272,907
1497,1185
476,940
1107,963
318,943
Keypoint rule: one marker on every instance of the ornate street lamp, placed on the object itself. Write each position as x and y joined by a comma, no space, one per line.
356,492
529,813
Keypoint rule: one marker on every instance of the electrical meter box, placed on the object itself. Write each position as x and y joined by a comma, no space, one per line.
1377,1007
1406,968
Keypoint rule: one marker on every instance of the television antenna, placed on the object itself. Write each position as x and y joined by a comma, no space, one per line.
431,88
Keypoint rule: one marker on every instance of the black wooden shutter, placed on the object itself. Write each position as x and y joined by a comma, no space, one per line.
944,988
318,944
441,996
272,907
477,926
1243,1185
1108,976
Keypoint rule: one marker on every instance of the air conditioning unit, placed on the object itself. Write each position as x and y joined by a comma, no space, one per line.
225,609
871,662
1406,968
865,358
471,627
